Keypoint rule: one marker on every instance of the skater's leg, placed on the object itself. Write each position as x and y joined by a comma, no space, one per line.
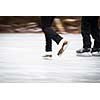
45,22
96,36
95,31
48,30
51,34
85,31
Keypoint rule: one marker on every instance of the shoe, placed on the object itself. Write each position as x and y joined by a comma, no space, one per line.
47,55
95,51
62,46
85,52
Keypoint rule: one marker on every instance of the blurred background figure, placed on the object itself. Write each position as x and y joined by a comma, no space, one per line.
59,26
31,24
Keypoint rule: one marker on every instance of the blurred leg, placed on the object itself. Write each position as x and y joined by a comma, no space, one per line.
47,22
95,31
85,31
48,30
50,35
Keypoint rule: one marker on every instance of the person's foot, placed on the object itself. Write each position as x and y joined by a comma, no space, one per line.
47,55
62,46
95,51
85,52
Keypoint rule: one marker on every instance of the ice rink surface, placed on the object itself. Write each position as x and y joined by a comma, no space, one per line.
21,61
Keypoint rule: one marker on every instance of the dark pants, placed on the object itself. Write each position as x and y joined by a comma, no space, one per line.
89,27
50,34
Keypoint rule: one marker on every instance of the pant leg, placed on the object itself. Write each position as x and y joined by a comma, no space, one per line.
85,31
48,30
95,31
45,22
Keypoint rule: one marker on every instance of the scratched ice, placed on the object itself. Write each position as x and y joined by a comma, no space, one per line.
21,61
